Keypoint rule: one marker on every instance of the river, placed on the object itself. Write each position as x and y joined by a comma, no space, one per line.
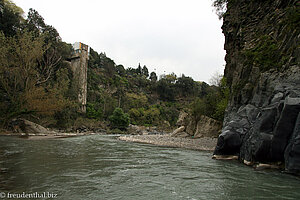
102,167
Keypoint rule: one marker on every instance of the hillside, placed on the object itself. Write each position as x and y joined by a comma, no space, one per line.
39,84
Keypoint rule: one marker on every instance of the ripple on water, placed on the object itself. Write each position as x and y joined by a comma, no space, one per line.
101,167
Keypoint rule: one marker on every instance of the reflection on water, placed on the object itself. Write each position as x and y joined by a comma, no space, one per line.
101,167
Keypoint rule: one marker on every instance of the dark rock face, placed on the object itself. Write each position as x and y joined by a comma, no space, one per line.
263,71
292,152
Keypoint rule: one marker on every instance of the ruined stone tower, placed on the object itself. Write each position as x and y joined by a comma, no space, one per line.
79,65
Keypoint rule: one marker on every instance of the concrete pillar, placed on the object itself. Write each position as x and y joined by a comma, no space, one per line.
79,65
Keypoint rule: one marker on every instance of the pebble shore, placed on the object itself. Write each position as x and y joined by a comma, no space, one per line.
203,144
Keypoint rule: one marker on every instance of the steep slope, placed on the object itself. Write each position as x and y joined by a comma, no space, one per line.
262,123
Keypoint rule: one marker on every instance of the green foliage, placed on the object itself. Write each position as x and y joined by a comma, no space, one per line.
10,18
119,119
67,116
141,116
35,79
134,100
120,70
169,111
153,77
185,85
18,67
292,19
145,71
94,59
213,104
136,115
166,90
198,108
220,6
94,111
265,54
222,103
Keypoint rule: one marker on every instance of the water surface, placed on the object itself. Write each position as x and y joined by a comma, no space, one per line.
101,167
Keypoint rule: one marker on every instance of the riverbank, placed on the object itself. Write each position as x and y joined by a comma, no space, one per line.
203,144
47,136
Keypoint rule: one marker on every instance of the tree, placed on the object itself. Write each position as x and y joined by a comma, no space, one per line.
120,70
153,77
119,119
171,78
109,66
35,22
93,111
223,100
166,90
18,64
53,46
204,87
20,75
135,100
185,85
94,59
216,79
10,17
220,6
198,108
139,69
145,71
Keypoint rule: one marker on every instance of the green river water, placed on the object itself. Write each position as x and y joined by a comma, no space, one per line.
102,167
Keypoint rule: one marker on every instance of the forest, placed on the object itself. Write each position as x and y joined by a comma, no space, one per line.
36,83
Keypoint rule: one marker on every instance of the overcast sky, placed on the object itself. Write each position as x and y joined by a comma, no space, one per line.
180,36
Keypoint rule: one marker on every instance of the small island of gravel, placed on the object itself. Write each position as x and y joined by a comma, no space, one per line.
203,144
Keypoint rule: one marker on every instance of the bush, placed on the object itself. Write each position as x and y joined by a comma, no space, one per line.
119,119
93,112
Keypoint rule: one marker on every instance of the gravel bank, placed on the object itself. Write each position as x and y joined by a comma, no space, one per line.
204,144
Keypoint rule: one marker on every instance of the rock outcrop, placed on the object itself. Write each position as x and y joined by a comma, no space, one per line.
263,72
24,126
189,127
143,130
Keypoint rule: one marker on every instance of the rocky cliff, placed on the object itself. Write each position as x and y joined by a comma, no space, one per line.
188,127
262,122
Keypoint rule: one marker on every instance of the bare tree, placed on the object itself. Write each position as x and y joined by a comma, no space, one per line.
216,79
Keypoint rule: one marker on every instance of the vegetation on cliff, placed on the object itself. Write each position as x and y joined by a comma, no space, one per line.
262,72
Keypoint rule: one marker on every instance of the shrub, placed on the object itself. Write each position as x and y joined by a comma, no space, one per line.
119,119
92,112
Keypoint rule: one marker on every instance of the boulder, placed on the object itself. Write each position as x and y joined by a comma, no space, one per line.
249,112
229,143
207,127
177,132
284,128
24,126
136,130
191,126
182,119
292,152
181,135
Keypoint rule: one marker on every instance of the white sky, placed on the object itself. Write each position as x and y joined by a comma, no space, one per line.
180,36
